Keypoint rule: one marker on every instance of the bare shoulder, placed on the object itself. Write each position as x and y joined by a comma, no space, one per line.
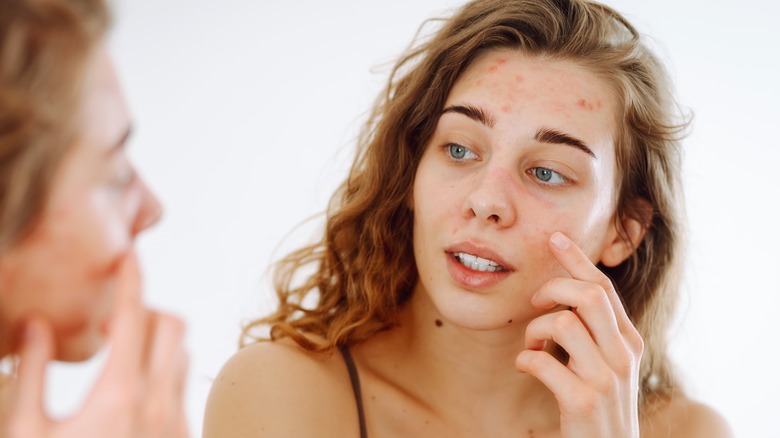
279,389
680,416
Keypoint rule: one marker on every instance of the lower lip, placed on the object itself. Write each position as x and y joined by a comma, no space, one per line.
471,279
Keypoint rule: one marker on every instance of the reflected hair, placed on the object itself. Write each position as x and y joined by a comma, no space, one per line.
44,46
364,268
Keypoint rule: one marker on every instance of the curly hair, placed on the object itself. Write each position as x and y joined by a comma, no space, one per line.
364,268
44,45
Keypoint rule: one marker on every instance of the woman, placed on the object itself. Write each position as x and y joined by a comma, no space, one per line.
71,206
502,259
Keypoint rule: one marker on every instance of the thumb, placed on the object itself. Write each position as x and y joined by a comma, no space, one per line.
36,350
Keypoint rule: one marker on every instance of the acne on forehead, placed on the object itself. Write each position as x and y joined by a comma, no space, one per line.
506,81
573,77
589,105
499,62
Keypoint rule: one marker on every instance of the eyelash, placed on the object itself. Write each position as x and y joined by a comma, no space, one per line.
452,146
533,172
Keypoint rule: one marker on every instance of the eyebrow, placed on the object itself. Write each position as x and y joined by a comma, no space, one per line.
474,113
543,134
552,136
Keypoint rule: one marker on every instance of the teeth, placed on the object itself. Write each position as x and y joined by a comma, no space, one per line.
477,263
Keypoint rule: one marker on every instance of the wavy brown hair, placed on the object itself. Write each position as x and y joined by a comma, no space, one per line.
364,268
44,45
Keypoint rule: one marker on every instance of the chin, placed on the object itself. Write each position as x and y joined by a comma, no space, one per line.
480,313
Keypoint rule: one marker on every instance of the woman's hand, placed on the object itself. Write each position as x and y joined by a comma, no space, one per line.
597,390
138,394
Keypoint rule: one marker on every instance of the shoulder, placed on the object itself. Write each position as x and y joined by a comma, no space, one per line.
279,389
680,416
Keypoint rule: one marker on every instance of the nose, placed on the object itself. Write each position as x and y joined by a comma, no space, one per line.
150,209
490,199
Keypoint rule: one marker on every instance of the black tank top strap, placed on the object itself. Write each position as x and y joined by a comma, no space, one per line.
355,380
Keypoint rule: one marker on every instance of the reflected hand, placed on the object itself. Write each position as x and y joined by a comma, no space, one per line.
140,390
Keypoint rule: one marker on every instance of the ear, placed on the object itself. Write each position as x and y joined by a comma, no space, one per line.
622,244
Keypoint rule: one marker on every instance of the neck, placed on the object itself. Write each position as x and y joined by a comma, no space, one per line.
452,368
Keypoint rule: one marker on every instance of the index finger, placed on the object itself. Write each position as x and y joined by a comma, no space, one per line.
579,266
128,321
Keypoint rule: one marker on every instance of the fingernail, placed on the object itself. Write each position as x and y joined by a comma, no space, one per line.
559,240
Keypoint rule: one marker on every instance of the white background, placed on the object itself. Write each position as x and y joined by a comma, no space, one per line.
246,113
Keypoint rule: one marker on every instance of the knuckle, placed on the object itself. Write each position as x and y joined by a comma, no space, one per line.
607,384
605,283
535,361
636,342
550,284
583,263
624,366
594,295
565,321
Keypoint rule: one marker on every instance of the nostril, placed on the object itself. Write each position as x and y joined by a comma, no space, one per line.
494,218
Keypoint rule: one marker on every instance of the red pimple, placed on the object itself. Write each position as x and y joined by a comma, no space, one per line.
582,103
506,108
493,69
501,61
519,78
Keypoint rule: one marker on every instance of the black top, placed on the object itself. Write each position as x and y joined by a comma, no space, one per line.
355,380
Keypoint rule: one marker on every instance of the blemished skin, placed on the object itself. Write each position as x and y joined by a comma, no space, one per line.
73,285
514,203
491,202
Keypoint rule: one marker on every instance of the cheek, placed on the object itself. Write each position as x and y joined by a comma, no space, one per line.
99,227
588,230
581,219
85,243
437,208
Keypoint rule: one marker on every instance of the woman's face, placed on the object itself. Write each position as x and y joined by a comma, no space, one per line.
523,148
65,271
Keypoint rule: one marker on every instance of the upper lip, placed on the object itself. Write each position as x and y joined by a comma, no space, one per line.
479,250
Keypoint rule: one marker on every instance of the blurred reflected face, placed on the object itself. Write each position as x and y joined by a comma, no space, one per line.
65,271
524,147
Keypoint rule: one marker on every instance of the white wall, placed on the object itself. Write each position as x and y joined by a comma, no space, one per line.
246,111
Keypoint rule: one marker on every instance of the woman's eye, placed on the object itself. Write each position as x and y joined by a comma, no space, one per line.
548,176
459,152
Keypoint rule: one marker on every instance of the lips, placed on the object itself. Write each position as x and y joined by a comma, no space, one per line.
478,257
476,267
478,263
